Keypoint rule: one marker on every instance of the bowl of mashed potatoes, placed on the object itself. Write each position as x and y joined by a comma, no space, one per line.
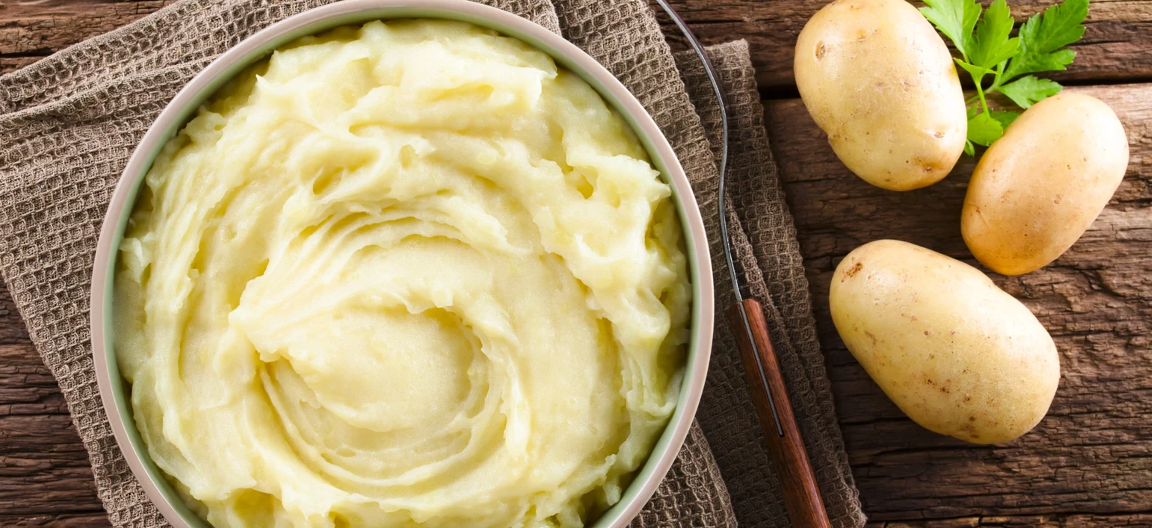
395,263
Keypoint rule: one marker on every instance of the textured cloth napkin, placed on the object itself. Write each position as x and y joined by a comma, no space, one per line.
69,123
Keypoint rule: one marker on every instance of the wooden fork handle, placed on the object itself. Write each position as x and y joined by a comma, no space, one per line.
801,495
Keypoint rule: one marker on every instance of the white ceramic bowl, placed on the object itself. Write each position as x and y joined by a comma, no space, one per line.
115,392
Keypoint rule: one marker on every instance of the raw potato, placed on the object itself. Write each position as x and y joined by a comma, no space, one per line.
957,354
1040,186
881,83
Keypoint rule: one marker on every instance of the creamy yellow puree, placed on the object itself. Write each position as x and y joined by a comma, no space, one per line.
404,274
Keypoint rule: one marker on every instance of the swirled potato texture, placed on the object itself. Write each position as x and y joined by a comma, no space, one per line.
404,274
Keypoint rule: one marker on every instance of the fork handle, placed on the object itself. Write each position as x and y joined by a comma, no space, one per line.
801,494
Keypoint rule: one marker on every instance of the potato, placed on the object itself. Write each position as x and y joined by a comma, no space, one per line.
1040,186
957,354
881,83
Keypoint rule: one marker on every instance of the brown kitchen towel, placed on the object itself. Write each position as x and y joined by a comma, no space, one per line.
764,240
69,122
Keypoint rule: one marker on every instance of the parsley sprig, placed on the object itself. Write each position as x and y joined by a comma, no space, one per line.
988,49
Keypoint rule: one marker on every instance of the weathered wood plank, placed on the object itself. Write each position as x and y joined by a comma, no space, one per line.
94,519
43,466
1093,452
1114,47
11,63
41,28
45,476
12,330
1053,521
1117,37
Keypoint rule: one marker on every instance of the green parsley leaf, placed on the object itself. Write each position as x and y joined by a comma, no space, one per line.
984,39
1005,118
977,72
1029,90
1043,36
954,18
991,45
983,129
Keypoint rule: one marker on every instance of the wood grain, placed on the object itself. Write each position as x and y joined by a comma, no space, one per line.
67,520
34,29
45,477
1093,452
1054,521
1115,45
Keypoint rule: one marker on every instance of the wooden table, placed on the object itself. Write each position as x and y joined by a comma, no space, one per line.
1089,463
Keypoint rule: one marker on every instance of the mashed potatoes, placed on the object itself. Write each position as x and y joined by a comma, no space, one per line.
409,274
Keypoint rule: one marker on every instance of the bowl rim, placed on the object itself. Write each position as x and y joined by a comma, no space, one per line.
176,113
